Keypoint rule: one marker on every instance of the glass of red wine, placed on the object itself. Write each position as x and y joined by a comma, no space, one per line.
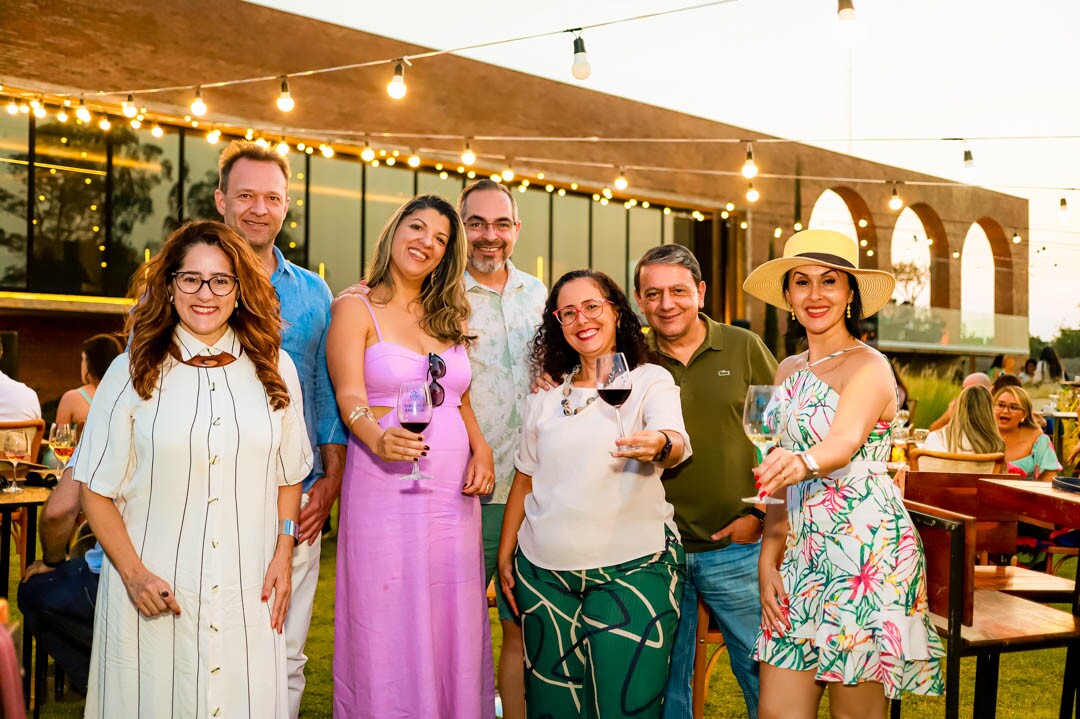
414,411
613,384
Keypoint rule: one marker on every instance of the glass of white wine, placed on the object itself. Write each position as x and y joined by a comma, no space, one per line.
764,417
16,449
62,442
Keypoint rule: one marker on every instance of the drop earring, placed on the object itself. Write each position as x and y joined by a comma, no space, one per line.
849,310
792,314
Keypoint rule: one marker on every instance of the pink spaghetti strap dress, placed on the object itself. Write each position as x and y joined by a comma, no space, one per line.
411,628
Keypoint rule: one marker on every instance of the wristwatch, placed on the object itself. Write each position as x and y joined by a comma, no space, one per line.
665,450
758,515
811,464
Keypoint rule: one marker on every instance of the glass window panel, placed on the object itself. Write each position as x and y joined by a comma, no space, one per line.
69,209
201,178
387,189
144,200
609,241
645,229
531,250
14,155
570,238
334,215
290,239
429,183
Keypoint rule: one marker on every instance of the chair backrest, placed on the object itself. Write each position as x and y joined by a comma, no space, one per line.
960,492
26,425
948,540
935,461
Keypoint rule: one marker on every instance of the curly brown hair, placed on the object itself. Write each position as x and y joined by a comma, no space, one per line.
550,352
256,321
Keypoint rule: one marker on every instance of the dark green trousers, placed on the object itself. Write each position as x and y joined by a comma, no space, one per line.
598,641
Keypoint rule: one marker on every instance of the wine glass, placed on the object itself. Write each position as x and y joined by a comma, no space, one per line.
613,384
414,412
17,449
901,418
919,437
62,442
764,417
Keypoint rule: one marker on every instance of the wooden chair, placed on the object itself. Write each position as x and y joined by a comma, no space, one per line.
18,517
707,650
993,462
995,534
982,623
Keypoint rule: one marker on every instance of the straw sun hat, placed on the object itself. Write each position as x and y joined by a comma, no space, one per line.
823,248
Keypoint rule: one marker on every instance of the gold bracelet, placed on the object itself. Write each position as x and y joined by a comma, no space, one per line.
361,411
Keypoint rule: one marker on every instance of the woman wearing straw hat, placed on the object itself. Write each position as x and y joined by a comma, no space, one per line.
845,605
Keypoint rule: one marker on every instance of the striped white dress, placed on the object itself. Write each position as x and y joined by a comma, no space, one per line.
195,472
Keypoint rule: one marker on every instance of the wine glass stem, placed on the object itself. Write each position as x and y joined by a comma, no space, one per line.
618,419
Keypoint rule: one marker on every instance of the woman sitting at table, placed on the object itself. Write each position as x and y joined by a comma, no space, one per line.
98,352
1027,448
972,430
589,554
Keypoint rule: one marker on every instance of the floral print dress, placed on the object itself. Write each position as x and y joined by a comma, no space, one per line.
853,565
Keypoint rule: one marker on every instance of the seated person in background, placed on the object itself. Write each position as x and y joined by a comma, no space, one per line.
98,352
1028,375
1027,448
17,401
973,429
975,379
1005,380
57,584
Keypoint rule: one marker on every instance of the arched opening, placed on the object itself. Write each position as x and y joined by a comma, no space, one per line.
844,210
830,212
977,285
937,242
911,259
1000,247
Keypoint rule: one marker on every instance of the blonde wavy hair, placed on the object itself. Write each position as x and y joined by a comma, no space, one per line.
973,423
1024,400
442,294
256,322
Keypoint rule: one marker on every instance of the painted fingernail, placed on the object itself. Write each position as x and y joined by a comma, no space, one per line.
265,598
427,447
423,454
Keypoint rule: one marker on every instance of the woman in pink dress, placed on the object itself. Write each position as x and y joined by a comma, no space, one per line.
411,631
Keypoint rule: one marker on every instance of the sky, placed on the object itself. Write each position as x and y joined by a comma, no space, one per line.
904,69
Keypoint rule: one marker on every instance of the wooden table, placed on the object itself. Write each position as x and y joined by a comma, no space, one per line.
1058,434
1041,500
31,498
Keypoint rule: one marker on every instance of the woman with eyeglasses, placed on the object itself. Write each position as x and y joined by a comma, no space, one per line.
1027,448
191,462
411,627
589,556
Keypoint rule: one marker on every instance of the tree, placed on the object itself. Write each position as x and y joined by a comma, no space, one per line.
1067,342
912,280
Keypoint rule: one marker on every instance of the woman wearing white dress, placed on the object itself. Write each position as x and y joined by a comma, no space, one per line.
192,453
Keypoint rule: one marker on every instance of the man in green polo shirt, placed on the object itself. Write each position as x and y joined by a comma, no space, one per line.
713,364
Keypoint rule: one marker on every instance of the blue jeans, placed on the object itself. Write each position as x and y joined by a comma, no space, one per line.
727,580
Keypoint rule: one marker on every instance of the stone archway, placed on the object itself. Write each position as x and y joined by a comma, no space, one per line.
1003,265
861,224
941,285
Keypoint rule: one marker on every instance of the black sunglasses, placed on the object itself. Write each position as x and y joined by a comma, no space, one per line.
437,369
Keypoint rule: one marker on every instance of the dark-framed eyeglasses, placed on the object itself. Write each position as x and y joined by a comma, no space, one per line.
589,309
436,368
1002,407
191,282
501,227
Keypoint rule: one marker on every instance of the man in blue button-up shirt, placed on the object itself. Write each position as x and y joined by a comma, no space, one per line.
252,197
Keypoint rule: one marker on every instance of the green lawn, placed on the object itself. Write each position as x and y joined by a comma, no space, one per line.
1030,682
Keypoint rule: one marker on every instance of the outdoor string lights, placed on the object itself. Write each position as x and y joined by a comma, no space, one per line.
621,183
749,168
198,107
895,202
580,68
396,88
845,10
285,101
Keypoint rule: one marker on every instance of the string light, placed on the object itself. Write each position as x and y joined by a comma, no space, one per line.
136,123
752,195
396,87
82,112
61,115
127,107
969,159
262,142
581,68
797,227
1063,209
606,192
105,124
862,222
730,207
39,111
198,107
326,150
845,10
285,103
282,148
777,233
468,157
525,182
367,154
414,160
749,169
23,107
895,203
156,131
12,107
213,136
508,174
1016,238
621,182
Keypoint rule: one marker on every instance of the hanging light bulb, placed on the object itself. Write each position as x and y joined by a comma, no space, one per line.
285,103
414,160
1016,238
797,227
105,124
12,107
606,192
1063,209
128,107
508,174
969,159
23,107
895,203
135,124
749,169
367,154
752,195
263,143
621,183
581,67
39,111
282,148
326,151
198,107
213,136
396,87
156,131
468,157
82,111
845,10
62,115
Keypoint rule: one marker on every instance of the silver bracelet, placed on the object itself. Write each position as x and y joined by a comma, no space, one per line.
289,527
810,462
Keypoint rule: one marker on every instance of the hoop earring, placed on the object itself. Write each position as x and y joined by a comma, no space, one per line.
849,310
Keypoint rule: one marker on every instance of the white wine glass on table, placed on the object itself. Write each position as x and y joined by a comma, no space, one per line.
16,449
62,442
414,411
613,384
764,417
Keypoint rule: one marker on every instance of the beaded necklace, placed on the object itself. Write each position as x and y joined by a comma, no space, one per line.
567,410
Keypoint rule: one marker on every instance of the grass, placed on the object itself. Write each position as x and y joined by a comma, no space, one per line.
934,394
1029,688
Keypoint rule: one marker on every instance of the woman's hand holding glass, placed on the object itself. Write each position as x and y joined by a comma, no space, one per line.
781,468
764,417
642,446
400,445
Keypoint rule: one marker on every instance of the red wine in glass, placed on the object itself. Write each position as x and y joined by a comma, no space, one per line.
613,384
414,412
415,427
614,397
